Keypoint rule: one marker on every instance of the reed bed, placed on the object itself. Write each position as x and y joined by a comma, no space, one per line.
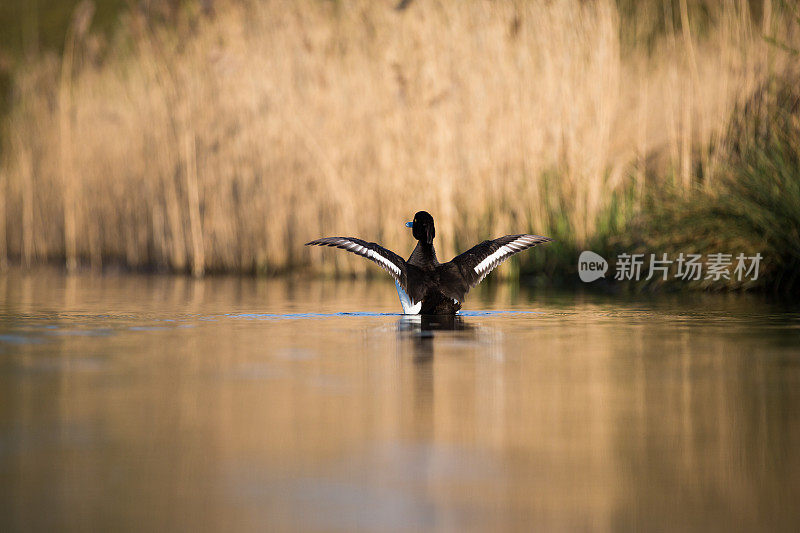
225,143
754,207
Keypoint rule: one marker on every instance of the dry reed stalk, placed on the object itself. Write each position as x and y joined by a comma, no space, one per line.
25,174
68,178
686,138
641,135
3,209
82,16
190,172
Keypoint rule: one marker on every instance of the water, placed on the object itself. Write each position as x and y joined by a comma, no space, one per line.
164,403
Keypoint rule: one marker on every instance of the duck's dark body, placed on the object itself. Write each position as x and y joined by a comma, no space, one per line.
435,288
432,275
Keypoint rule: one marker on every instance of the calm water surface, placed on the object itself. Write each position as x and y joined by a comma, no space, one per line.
164,403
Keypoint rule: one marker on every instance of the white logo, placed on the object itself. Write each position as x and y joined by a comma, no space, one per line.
591,266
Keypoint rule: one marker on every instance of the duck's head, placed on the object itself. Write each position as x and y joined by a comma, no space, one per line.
422,227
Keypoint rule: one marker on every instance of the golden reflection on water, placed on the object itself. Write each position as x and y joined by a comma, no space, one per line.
134,402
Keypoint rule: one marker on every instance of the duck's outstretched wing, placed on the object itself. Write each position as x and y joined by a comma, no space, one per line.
478,261
386,259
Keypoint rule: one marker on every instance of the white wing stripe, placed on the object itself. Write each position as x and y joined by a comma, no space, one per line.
517,245
356,248
383,261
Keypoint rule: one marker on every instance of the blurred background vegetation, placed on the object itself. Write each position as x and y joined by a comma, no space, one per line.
220,136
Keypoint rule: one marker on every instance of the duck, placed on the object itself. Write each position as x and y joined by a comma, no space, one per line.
424,285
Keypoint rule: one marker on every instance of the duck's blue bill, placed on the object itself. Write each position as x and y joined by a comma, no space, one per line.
409,224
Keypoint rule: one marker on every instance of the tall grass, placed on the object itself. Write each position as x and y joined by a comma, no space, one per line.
755,207
227,142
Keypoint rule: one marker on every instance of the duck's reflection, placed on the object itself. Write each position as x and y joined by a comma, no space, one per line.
420,329
416,345
414,323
